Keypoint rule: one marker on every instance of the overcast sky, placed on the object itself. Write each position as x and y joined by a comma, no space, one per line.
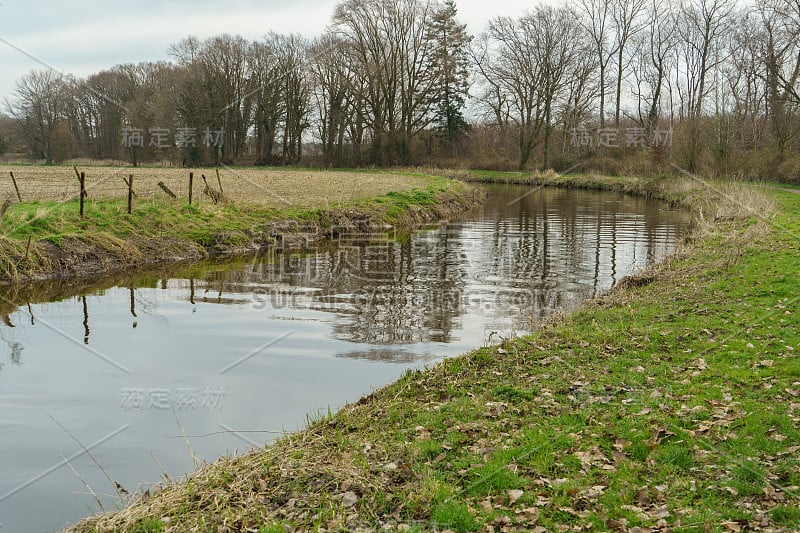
89,35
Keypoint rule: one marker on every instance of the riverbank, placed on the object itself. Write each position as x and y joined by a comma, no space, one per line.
683,190
671,403
48,239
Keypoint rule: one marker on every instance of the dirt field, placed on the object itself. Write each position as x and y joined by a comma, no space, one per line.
273,188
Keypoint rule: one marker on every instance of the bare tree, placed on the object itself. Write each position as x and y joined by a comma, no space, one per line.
745,74
655,57
39,104
526,65
701,27
581,90
332,93
391,59
417,79
226,66
627,16
597,19
779,50
365,27
293,76
105,113
270,107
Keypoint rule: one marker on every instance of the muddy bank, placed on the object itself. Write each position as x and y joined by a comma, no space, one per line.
99,254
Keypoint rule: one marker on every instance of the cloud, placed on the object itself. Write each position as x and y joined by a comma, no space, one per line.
81,45
90,35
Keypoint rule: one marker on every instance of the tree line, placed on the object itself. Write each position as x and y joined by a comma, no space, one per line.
614,85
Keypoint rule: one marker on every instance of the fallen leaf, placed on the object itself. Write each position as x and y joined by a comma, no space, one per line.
732,490
502,520
593,492
617,525
573,512
621,444
421,433
642,498
514,495
349,499
771,494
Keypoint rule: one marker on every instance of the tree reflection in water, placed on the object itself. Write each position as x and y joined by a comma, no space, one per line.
504,267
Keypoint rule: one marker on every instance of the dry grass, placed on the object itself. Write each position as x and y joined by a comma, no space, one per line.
220,486
270,188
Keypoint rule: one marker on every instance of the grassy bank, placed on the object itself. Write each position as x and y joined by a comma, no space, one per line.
672,403
678,190
47,238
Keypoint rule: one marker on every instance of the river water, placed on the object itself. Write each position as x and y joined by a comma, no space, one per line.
102,382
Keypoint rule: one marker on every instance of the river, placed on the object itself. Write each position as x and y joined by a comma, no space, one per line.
104,382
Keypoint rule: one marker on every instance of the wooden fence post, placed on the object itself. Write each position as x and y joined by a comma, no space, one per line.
14,181
166,190
191,179
220,182
130,192
82,177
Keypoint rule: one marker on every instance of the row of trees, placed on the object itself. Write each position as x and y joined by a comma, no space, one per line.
225,84
390,82
384,72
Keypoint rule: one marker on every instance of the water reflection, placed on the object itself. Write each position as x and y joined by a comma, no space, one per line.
513,263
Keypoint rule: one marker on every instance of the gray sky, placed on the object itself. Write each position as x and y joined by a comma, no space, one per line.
86,36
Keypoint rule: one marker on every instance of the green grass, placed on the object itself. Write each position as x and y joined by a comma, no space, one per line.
454,516
673,402
149,526
205,224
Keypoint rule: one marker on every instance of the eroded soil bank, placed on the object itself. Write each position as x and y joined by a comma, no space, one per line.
47,241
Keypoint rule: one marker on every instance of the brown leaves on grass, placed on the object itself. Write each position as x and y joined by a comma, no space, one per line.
594,458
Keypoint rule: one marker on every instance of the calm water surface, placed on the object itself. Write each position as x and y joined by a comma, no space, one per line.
236,352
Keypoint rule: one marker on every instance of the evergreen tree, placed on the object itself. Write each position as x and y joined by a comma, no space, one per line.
450,71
